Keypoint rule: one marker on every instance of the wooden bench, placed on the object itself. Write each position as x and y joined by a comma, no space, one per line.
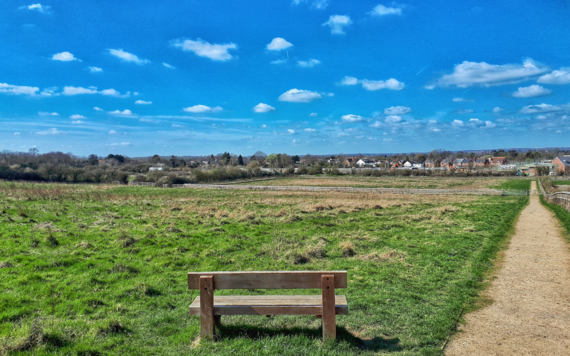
211,308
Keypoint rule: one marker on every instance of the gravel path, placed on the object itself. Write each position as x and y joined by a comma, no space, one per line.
530,312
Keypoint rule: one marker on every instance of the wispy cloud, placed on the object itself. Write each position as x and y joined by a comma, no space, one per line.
142,102
337,23
95,69
37,7
45,113
353,118
315,4
76,117
381,10
397,110
462,100
463,111
372,85
308,64
52,131
469,74
127,57
70,91
168,66
215,52
125,112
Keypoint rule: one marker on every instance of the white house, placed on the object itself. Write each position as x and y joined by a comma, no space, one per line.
150,169
360,163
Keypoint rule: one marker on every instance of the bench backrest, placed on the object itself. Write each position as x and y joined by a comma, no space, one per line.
267,280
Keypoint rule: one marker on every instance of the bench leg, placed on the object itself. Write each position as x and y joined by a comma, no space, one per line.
329,315
206,307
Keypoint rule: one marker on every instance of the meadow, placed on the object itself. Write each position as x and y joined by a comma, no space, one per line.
101,269
398,182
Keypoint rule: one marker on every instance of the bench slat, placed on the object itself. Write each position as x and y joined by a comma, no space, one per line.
270,305
267,280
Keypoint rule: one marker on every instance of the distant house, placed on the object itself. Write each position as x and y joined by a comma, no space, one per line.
360,163
365,162
159,168
498,161
407,164
417,164
482,162
432,163
562,164
351,160
462,162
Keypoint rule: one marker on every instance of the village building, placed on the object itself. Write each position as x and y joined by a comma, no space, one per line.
562,164
498,161
432,163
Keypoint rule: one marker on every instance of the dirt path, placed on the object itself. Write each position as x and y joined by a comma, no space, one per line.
530,313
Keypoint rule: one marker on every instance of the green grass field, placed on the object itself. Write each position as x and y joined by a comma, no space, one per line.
561,182
514,184
101,270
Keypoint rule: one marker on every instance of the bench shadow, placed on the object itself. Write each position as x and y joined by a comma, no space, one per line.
255,332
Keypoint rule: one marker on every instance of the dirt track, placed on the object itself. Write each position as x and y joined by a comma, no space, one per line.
530,312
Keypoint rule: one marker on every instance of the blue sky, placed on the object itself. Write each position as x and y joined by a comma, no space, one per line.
301,76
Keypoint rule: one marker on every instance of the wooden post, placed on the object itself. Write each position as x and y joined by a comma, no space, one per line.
329,315
206,307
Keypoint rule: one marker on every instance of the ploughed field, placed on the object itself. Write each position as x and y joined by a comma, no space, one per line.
399,182
101,270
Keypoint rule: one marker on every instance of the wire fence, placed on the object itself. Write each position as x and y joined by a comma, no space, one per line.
559,198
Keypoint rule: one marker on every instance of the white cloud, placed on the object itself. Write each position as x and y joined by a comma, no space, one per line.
121,144
45,113
112,132
142,102
315,4
16,134
53,131
77,122
299,96
76,117
168,65
391,84
95,69
17,89
263,126
531,91
313,114
463,111
457,123
349,81
436,130
489,125
353,118
128,57
377,124
178,126
279,61
484,74
121,113
79,90
203,109
98,109
308,64
216,52
337,24
291,132
542,108
37,7
558,131
113,92
397,110
542,117
261,107
149,120
278,44
49,92
498,109
64,57
462,100
310,130
392,119
561,76
381,10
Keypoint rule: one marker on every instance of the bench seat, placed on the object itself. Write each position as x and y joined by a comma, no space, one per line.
271,305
